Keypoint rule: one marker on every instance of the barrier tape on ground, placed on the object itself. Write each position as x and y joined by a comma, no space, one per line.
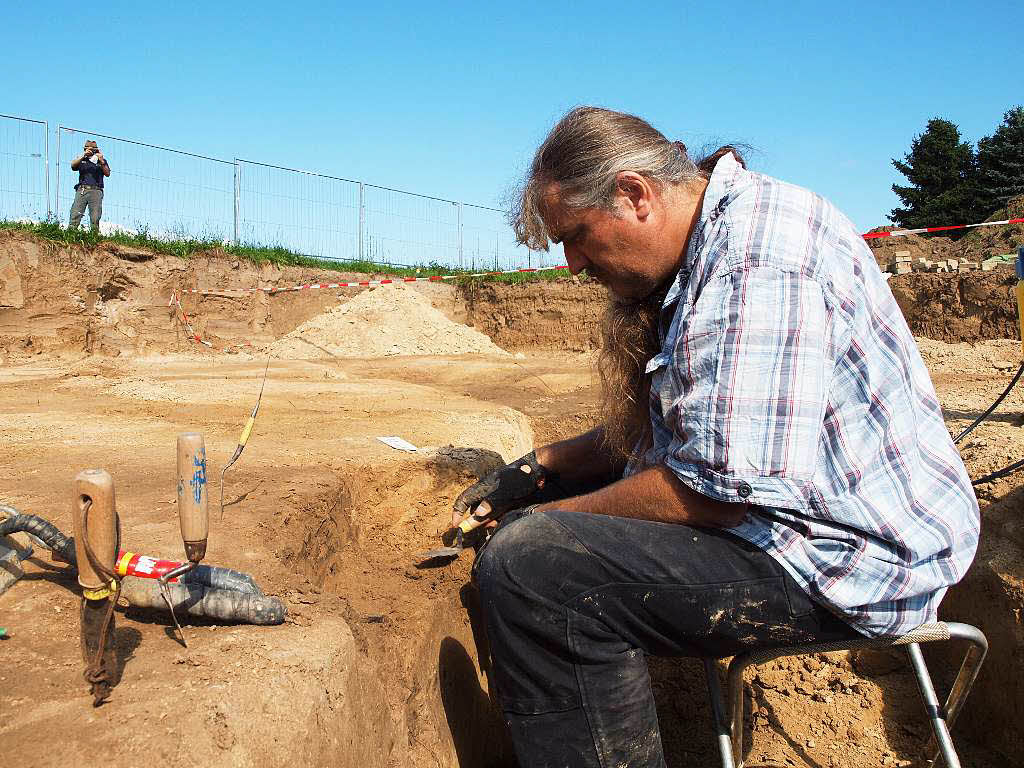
191,332
185,322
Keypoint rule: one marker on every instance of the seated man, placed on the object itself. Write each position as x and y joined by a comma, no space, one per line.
772,465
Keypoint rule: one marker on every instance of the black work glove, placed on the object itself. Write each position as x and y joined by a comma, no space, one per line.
506,488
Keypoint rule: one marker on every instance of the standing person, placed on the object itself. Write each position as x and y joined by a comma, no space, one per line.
92,167
772,465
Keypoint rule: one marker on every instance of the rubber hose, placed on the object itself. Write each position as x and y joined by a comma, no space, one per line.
45,531
64,548
196,600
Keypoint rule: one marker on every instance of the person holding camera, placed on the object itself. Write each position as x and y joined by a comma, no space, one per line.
92,166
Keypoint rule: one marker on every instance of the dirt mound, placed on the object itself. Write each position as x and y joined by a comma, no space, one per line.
380,322
983,242
932,247
968,306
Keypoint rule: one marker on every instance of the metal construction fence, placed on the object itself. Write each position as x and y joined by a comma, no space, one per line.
336,218
173,194
24,189
164,192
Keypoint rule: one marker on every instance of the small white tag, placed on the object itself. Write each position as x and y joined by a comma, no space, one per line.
398,443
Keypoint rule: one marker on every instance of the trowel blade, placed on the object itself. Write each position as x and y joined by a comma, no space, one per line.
439,554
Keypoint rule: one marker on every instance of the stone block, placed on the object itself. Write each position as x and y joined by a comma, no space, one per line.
902,256
10,565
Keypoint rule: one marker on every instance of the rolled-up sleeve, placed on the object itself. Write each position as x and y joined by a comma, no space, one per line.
753,362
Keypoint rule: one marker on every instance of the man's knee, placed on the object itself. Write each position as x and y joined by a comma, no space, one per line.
520,556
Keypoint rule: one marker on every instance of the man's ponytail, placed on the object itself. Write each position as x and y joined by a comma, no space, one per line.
707,164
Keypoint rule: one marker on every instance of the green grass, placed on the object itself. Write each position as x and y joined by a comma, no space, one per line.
187,247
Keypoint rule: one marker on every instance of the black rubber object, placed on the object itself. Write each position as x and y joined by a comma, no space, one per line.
196,600
213,576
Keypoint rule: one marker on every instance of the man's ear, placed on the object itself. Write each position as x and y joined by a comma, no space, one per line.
635,192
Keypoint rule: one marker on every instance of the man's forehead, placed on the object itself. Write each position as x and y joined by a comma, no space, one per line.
557,217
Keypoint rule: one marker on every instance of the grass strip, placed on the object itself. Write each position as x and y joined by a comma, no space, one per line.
186,247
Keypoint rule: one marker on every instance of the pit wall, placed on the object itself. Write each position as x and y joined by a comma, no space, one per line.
113,299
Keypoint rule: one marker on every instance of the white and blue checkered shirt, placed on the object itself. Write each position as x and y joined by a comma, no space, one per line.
788,380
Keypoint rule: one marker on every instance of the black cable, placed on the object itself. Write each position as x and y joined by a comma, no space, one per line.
992,407
999,473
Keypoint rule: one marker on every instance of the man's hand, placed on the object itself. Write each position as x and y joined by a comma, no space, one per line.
509,487
99,157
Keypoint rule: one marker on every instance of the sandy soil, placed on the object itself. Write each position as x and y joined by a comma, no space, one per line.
378,663
330,519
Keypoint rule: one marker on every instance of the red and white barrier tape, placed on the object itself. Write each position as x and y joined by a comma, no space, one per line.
440,278
905,232
383,281
185,322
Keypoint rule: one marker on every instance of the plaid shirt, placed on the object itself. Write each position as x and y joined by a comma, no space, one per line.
788,380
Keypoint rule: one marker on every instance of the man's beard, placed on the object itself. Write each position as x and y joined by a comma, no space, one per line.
629,338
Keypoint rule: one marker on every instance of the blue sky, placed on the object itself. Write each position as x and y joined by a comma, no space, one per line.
451,99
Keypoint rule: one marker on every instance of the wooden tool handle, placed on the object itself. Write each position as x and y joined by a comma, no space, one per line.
478,517
93,489
193,499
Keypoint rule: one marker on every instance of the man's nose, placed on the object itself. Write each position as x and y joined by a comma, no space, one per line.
577,262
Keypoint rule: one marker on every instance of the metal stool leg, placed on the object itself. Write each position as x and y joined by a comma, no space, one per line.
935,711
734,682
718,714
965,678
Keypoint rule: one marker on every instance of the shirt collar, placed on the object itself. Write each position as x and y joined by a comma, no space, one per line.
719,185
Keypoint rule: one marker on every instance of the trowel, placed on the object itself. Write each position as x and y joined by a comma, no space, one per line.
457,535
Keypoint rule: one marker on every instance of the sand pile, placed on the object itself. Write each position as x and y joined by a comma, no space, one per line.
380,322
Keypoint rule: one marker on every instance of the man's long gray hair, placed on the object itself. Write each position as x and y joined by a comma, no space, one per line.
629,338
583,154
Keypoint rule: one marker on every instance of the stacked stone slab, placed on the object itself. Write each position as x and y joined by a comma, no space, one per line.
903,264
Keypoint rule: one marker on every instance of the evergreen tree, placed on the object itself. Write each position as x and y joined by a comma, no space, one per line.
1001,163
941,169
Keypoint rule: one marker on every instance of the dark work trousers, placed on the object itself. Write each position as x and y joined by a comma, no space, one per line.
86,195
574,602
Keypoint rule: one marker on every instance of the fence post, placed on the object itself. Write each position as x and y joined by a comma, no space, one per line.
459,208
46,165
238,194
362,220
56,170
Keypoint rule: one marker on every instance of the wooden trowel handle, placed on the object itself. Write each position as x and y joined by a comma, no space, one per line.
193,500
479,516
93,490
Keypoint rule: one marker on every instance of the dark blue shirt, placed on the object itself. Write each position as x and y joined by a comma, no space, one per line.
90,172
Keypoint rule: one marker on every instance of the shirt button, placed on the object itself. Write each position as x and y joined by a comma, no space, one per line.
744,490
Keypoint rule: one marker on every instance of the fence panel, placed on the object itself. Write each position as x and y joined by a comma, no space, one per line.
168,193
24,189
489,243
408,229
309,213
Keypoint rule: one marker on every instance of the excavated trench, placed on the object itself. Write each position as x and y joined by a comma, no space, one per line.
419,627
381,663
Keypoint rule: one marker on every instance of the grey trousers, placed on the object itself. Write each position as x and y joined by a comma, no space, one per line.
91,196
